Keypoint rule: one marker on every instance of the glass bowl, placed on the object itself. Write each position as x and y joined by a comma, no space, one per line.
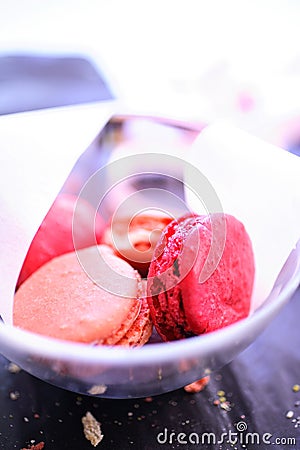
116,372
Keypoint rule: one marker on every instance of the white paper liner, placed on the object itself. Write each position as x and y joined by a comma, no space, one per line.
255,181
259,184
38,150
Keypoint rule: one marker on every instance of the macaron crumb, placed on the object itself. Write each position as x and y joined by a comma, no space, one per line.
289,414
97,389
91,429
38,446
13,368
197,386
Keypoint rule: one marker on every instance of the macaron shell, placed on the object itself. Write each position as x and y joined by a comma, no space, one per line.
163,283
180,305
134,239
62,301
55,235
225,297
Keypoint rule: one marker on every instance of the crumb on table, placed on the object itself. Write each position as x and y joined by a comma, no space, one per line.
91,429
38,446
13,368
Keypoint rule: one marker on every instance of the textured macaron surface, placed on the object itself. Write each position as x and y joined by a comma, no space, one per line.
182,301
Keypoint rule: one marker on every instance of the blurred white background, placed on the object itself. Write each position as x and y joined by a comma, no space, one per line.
195,59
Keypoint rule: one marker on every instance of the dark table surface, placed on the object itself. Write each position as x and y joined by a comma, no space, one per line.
258,385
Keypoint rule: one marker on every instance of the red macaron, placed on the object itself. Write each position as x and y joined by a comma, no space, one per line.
182,301
55,234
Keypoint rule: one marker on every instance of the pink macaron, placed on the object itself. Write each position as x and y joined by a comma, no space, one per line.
90,296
